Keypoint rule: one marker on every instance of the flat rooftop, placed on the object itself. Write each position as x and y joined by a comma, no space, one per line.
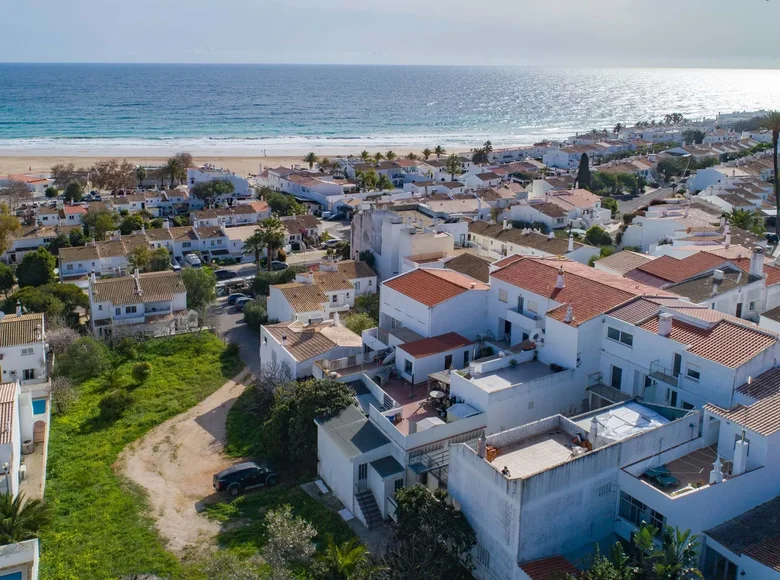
506,377
534,454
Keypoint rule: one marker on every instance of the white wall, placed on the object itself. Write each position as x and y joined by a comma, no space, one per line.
422,367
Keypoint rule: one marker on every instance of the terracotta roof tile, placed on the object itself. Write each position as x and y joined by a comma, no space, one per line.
471,265
772,273
435,345
552,568
303,297
154,286
766,553
625,261
675,270
432,287
724,342
353,269
764,385
754,533
303,345
18,330
635,311
332,281
7,398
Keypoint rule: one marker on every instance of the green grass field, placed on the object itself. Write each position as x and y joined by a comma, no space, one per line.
99,528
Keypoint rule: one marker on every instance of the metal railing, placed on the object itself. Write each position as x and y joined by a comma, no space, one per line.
663,374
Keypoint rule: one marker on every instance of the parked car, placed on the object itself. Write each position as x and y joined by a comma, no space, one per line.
235,296
331,243
772,238
192,260
241,302
244,476
223,274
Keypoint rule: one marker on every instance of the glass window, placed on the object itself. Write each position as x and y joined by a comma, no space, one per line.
398,484
28,374
693,373
502,296
718,567
408,367
27,351
613,333
131,309
362,471
357,285
118,311
627,339
634,511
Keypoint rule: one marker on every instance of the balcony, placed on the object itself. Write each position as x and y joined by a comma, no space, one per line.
663,374
529,320
351,365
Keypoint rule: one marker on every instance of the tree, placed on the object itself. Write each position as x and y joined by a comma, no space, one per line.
9,224
670,167
7,279
36,268
255,315
348,561
359,322
173,170
185,161
772,122
412,156
60,339
74,191
21,518
76,238
678,555
617,128
597,236
602,568
390,155
209,191
160,260
61,241
609,203
255,244
140,174
281,204
742,218
62,395
100,222
201,287
64,174
274,235
479,156
488,147
289,542
583,172
367,179
693,136
310,158
16,193
140,257
142,371
224,565
431,539
439,151
453,166
51,192
114,404
365,156
378,156
85,359
368,304
130,224
426,153
384,183
112,175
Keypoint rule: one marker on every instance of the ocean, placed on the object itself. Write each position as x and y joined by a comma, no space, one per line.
300,107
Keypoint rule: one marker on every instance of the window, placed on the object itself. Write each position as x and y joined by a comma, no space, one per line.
398,484
28,374
502,296
27,351
616,377
273,356
620,336
718,567
603,490
693,372
357,285
532,306
370,282
408,367
362,471
100,307
334,299
118,312
69,267
634,511
186,244
265,340
752,306
530,405
483,556
130,309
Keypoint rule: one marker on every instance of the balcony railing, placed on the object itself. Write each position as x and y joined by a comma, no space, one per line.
663,374
367,359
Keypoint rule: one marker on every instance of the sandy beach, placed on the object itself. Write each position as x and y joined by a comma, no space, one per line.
12,161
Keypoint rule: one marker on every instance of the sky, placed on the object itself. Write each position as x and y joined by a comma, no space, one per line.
600,33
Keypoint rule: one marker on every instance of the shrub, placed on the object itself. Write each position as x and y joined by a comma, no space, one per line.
628,218
114,404
598,236
60,339
142,371
255,315
281,255
84,359
126,347
62,394
231,350
359,322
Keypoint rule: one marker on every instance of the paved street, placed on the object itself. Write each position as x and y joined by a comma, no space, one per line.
629,204
230,325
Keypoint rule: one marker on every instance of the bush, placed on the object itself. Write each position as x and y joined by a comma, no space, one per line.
84,359
359,322
598,236
62,395
60,339
628,218
231,351
255,315
142,371
114,404
281,255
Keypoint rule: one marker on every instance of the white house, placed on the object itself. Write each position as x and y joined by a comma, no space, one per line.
209,172
36,184
235,215
30,238
108,258
22,348
152,303
19,561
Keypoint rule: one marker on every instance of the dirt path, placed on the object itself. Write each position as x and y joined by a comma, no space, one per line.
175,462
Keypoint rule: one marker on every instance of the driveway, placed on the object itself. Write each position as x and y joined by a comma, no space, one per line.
175,462
231,326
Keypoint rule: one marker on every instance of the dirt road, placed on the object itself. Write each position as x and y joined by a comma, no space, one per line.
175,462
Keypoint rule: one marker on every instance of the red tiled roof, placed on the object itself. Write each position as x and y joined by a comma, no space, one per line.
635,311
724,342
772,273
590,291
764,385
74,209
675,270
552,568
763,417
432,287
766,552
435,345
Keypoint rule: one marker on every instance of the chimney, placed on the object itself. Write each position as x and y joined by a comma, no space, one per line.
718,275
727,242
716,475
18,308
740,456
93,277
569,314
336,319
135,273
482,446
665,324
506,224
551,235
473,285
571,243
284,340
560,284
594,431
166,224
757,262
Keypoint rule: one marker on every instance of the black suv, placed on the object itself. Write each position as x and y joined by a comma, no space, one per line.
239,478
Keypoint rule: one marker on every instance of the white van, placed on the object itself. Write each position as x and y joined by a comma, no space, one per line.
192,260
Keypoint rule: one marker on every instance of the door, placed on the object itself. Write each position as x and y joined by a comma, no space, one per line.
465,358
739,310
676,365
520,304
448,361
673,400
616,378
507,330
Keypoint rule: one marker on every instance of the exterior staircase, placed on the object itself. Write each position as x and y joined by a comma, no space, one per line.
369,508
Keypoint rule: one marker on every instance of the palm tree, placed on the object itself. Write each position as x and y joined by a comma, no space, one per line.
365,156
378,156
479,156
742,218
439,151
617,128
426,153
348,560
174,170
772,122
311,159
273,234
325,163
412,156
21,519
140,174
383,183
366,179
255,244
390,155
678,554
488,147
453,166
